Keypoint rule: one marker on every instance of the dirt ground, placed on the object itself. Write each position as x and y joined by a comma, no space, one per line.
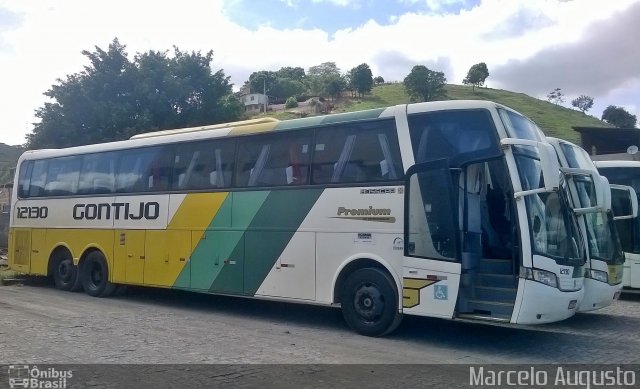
41,325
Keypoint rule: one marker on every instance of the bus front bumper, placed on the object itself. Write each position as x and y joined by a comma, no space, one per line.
544,304
598,294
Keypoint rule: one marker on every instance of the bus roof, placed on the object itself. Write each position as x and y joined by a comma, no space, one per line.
255,126
254,123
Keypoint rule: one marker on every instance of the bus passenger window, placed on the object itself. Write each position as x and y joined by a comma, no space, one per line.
25,177
97,173
203,165
38,178
357,152
142,170
62,176
273,160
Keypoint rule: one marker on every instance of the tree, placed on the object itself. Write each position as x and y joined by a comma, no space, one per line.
325,80
325,69
114,98
583,103
286,87
278,85
619,117
361,79
378,80
262,81
424,84
291,73
335,85
556,96
477,75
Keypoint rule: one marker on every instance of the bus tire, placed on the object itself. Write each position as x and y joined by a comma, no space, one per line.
65,272
94,275
369,302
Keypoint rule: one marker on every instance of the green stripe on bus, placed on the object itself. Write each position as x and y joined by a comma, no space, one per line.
337,118
353,116
265,239
216,250
299,123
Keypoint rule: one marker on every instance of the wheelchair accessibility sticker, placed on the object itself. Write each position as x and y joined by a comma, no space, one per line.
440,292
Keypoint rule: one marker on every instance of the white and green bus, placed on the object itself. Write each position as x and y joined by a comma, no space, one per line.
447,209
605,258
625,173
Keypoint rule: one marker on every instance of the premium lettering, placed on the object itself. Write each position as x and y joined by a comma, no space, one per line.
117,211
342,211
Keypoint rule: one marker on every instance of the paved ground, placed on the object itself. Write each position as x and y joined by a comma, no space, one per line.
40,324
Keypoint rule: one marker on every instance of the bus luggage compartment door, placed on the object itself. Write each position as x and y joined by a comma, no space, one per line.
20,257
129,254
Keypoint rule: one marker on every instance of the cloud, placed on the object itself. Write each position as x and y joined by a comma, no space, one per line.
340,3
439,5
519,23
395,65
8,21
47,38
604,58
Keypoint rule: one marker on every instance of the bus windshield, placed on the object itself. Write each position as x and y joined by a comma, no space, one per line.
628,229
602,239
554,232
553,229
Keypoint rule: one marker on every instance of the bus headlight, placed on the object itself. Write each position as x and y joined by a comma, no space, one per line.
542,276
599,275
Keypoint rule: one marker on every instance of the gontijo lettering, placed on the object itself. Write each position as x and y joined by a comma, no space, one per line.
117,211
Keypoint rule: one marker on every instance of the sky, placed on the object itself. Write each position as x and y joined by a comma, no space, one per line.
589,47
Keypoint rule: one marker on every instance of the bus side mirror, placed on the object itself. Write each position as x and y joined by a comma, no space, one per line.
594,185
550,167
624,202
604,193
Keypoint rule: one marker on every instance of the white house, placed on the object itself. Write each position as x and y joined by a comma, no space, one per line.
255,102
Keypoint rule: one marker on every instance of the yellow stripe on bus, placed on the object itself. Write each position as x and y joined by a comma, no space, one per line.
253,128
175,246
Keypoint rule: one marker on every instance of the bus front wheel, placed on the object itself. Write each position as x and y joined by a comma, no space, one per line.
65,272
94,274
369,302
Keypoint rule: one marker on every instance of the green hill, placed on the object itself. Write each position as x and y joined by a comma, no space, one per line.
8,157
553,119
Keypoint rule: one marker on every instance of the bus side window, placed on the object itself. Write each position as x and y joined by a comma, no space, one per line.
38,178
24,179
160,170
357,152
136,170
273,160
203,165
97,173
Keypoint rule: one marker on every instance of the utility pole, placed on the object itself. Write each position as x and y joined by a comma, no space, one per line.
264,92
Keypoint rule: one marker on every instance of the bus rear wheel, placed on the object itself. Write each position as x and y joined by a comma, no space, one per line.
94,274
370,302
65,272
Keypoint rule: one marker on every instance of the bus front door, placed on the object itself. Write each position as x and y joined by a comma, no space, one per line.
431,268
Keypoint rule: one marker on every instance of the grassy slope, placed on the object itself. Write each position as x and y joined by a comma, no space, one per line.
553,119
